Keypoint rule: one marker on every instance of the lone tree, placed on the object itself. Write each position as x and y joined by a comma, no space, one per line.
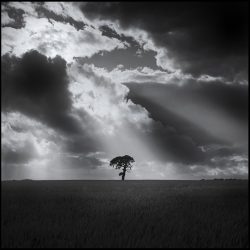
122,162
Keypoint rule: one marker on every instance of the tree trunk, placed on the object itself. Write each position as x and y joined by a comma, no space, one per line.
123,174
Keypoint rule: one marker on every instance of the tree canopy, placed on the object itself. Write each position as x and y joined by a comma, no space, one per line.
123,162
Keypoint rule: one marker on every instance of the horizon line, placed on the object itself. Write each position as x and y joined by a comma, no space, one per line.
203,179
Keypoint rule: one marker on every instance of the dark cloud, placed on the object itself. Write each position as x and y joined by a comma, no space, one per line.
109,32
38,86
230,99
184,138
132,57
174,123
176,146
43,12
128,58
203,38
178,138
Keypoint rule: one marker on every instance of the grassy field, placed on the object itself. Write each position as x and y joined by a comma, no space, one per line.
124,214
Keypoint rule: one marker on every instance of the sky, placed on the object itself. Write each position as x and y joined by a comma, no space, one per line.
163,82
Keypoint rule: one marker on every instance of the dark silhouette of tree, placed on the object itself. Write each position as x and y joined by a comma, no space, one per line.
122,162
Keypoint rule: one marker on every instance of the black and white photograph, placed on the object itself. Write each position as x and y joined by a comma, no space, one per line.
124,124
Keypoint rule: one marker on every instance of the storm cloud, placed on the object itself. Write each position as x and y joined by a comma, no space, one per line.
38,86
202,38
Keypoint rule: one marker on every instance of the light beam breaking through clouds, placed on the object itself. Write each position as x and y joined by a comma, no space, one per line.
84,83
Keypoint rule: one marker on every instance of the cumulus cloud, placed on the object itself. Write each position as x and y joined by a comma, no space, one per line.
51,30
103,98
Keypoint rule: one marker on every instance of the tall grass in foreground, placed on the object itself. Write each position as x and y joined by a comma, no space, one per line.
124,214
